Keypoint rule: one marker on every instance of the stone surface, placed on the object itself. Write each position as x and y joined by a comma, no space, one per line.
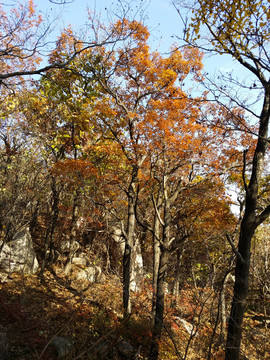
100,350
125,350
4,346
19,255
63,348
80,259
187,326
68,247
90,273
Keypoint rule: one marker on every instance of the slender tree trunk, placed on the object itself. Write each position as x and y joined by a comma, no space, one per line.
176,285
136,267
34,219
223,308
51,227
156,260
241,286
161,282
129,244
160,300
127,268
156,250
251,220
72,237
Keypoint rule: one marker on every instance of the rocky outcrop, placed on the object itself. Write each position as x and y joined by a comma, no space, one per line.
90,273
80,269
68,247
190,328
18,255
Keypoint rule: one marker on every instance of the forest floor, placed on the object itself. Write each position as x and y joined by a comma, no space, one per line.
33,314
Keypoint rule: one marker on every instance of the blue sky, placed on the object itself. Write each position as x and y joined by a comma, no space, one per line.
160,16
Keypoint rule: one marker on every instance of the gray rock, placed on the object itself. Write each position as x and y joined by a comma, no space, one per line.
100,350
67,246
186,325
62,347
80,259
90,273
4,346
19,255
126,351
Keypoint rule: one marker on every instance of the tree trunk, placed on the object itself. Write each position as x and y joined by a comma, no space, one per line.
127,267
51,227
132,260
160,299
156,260
72,236
161,281
136,267
223,308
176,285
129,243
248,226
132,263
238,306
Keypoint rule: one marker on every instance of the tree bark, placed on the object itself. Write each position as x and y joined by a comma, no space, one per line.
127,261
129,242
238,306
51,227
160,299
176,285
136,269
249,224
156,254
161,280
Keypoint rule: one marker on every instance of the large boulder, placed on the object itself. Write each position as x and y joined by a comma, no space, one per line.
19,254
80,269
90,273
62,348
125,350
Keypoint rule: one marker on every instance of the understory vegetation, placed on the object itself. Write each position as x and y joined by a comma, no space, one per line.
33,314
